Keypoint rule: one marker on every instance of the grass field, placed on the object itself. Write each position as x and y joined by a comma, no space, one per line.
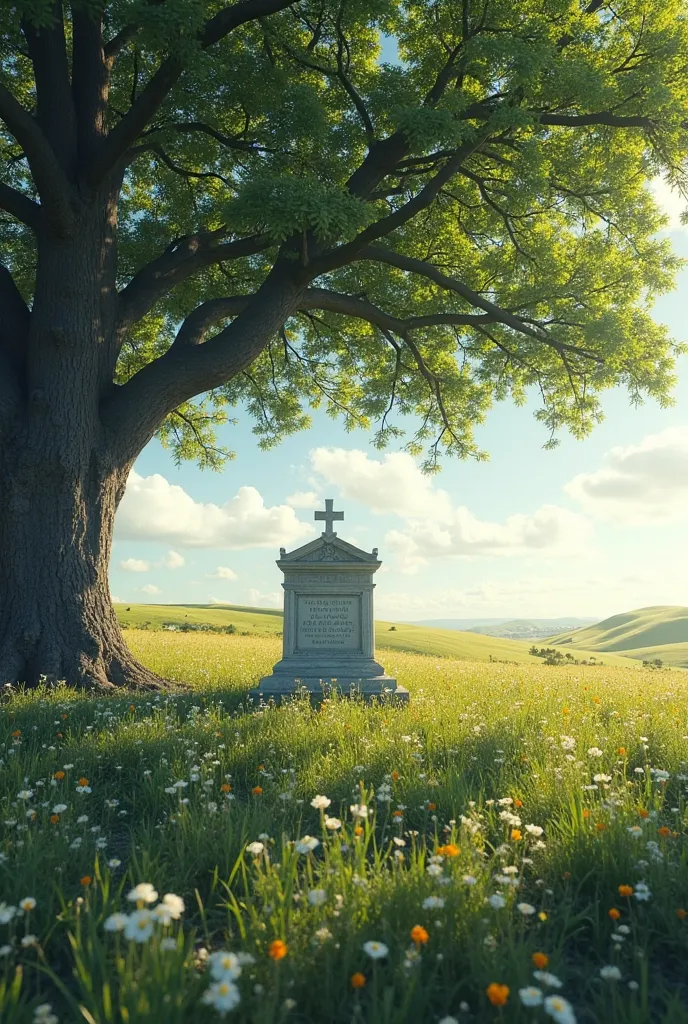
645,634
441,643
488,828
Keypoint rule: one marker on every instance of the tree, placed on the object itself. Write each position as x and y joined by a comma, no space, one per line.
207,205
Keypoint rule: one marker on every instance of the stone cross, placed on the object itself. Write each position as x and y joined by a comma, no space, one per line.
329,516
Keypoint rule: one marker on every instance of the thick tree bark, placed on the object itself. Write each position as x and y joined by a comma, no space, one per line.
61,483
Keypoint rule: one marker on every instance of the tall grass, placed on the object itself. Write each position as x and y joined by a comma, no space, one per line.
179,785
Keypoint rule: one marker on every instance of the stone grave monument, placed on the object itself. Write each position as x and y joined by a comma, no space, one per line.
329,636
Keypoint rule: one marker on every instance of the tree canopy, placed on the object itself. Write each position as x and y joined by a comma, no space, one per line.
295,220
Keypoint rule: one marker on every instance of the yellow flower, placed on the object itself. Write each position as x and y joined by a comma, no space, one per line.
516,835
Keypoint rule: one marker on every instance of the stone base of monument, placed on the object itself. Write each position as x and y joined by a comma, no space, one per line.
367,680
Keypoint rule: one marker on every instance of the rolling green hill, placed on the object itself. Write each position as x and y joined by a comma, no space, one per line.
441,643
660,631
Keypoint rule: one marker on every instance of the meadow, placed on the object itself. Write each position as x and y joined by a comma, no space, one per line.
510,847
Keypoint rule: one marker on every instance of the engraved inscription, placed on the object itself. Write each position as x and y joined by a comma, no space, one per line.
329,621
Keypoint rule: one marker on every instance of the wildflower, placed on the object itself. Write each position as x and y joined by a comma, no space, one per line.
59,808
635,831
542,916
224,966
171,908
433,903
567,742
54,818
29,940
115,922
453,1020
257,790
24,794
664,831
530,996
614,913
621,751
113,863
28,903
5,950
496,901
469,879
359,810
526,909
320,803
277,950
323,934
545,978
316,897
534,830
85,881
307,844
223,996
143,893
139,926
610,973
255,848
43,1014
540,960
625,890
516,835
600,826
333,824
642,892
395,776
497,994
559,1009
419,935
681,914
59,775
448,850
358,980
375,950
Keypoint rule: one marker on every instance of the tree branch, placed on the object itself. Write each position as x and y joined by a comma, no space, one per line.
128,130
20,206
90,79
54,107
52,185
14,319
186,256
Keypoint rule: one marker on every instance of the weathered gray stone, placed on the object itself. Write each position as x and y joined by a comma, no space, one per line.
329,635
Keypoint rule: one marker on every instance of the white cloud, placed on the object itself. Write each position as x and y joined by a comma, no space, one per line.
223,572
134,565
434,527
150,588
154,509
273,599
643,483
550,530
394,484
303,499
671,202
173,560
116,600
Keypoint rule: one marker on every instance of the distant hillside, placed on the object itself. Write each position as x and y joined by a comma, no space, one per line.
510,629
660,631
440,643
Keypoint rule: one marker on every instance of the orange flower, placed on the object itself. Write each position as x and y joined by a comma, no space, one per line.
497,994
59,776
261,768
59,735
664,831
518,803
398,814
54,818
395,778
621,751
449,850
225,787
625,890
586,812
432,807
681,914
132,707
358,831
16,734
277,950
516,835
540,960
600,826
86,881
614,913
257,790
596,699
83,781
419,935
64,717
565,711
358,980
643,813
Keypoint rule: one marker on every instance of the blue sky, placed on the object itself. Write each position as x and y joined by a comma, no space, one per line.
594,527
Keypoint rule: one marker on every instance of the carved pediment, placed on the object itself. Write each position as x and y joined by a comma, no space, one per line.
328,549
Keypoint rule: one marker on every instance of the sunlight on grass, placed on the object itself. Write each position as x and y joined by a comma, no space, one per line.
355,863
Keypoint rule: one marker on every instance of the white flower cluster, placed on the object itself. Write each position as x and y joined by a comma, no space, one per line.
138,926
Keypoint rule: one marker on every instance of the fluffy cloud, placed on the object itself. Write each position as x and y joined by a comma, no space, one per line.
150,588
273,599
435,528
550,530
156,510
303,499
223,572
134,565
173,560
643,483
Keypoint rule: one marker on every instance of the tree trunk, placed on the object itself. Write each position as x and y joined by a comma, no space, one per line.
60,482
56,617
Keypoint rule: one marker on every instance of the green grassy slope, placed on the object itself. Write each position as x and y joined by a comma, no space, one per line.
441,643
660,631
